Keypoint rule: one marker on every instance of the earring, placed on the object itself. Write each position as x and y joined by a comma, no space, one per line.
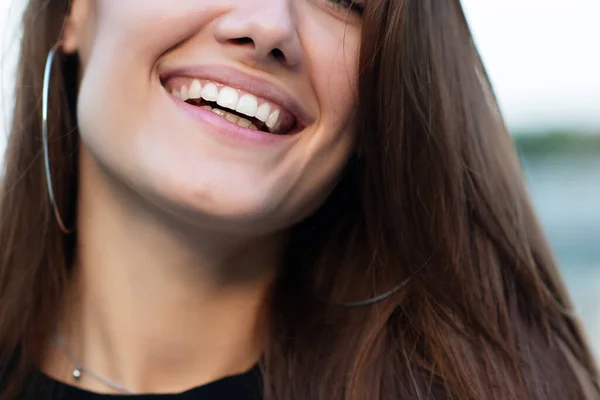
45,96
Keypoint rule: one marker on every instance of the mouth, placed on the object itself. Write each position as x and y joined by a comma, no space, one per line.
235,105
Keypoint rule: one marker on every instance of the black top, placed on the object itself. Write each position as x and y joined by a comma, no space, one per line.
245,386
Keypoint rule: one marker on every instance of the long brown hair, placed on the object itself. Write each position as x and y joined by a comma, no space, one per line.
433,198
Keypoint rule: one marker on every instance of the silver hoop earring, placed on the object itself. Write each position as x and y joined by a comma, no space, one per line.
45,97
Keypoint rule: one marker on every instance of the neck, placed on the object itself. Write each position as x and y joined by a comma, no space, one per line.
158,310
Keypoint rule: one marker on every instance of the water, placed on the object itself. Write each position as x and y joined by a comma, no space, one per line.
566,193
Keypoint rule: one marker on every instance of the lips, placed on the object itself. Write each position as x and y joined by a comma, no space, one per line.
247,102
235,105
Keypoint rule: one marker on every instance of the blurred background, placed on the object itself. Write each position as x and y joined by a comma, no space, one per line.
543,57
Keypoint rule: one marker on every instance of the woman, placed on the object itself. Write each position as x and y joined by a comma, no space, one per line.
271,199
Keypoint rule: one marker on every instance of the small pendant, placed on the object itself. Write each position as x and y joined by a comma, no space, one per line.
76,373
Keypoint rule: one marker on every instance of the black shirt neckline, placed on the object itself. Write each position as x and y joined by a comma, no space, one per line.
243,386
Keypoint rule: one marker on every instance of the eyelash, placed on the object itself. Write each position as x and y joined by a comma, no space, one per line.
350,5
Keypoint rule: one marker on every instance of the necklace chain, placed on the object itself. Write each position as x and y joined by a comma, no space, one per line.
79,369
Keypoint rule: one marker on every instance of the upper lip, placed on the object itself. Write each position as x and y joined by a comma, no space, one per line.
242,81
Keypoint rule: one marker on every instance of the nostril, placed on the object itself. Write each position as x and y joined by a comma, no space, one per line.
278,54
242,40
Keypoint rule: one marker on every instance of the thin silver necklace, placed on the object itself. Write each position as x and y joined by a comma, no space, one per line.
79,369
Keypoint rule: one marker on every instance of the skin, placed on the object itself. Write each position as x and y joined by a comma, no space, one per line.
179,231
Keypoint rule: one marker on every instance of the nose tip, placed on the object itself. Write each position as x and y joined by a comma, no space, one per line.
269,33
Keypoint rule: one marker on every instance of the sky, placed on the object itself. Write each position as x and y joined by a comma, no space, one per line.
543,57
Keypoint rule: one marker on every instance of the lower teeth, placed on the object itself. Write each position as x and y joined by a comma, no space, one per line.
243,122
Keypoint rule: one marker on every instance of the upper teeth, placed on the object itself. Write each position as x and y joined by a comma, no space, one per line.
233,99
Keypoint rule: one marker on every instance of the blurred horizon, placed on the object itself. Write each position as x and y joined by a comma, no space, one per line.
542,59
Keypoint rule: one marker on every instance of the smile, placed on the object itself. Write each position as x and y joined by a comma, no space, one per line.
235,105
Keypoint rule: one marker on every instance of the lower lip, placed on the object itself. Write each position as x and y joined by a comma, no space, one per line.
228,129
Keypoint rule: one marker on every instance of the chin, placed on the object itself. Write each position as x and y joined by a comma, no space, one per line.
225,209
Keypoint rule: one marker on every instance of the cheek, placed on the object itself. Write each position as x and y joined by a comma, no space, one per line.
120,35
334,70
333,65
121,43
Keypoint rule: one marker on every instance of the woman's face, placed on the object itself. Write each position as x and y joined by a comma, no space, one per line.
270,88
